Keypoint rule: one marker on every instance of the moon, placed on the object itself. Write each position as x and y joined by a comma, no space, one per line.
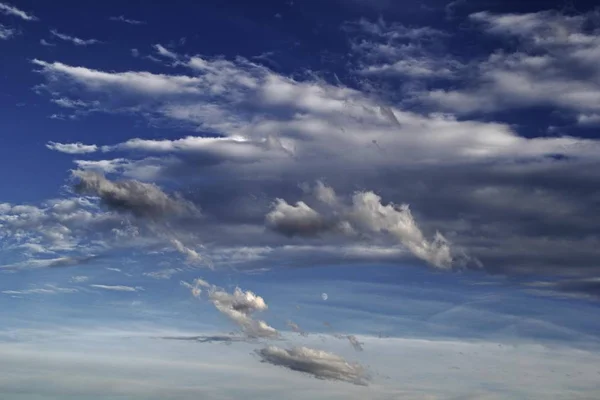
324,296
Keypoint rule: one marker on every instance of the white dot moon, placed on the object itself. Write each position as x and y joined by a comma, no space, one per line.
324,296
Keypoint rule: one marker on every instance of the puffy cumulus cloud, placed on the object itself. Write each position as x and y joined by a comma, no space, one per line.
554,64
139,198
73,39
14,11
297,219
318,363
366,214
237,306
72,148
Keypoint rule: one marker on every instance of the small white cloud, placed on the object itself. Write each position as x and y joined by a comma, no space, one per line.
44,42
73,39
163,273
129,21
79,279
165,52
118,288
72,148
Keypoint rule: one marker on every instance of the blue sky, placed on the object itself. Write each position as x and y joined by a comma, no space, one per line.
299,199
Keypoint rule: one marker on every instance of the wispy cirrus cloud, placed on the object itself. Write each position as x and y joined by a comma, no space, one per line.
6,32
14,11
122,18
73,39
117,288
46,289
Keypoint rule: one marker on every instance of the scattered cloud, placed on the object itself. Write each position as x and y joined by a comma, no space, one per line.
318,363
75,40
258,125
14,11
79,279
554,65
72,148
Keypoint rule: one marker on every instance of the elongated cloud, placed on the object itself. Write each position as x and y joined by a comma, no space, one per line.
14,11
141,199
129,21
72,148
366,214
73,39
318,363
117,288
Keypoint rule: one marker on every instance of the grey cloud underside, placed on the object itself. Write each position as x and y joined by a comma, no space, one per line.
507,202
318,363
141,199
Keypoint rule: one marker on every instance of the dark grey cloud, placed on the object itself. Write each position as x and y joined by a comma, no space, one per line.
139,198
318,363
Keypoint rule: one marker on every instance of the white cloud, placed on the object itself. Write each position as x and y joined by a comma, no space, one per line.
166,273
320,364
6,32
14,11
165,52
46,289
117,288
72,148
79,279
366,214
263,125
75,40
237,306
129,21
44,42
554,64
